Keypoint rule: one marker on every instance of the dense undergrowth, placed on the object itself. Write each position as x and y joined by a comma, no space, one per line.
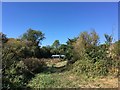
26,64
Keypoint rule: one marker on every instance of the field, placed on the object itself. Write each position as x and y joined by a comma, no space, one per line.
58,77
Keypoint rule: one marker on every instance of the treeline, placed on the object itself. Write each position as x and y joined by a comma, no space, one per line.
22,58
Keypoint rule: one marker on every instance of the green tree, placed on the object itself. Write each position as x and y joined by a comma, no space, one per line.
11,55
63,49
45,52
3,38
95,38
56,46
69,52
17,67
34,36
71,41
108,38
85,43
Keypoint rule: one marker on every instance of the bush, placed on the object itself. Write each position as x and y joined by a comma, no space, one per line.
12,79
43,81
82,66
34,64
89,68
101,68
18,73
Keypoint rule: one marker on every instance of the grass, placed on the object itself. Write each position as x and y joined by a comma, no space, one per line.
68,79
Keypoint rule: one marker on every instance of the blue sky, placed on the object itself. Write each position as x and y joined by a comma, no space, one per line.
59,20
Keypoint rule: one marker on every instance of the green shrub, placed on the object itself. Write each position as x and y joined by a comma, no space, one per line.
89,68
82,66
34,64
18,73
101,68
12,79
43,81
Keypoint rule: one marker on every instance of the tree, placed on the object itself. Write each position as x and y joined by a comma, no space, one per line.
63,49
56,46
85,43
3,38
34,36
108,38
12,52
95,38
45,52
72,41
17,66
114,50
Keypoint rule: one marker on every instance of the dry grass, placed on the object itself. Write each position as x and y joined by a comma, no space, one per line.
85,82
68,79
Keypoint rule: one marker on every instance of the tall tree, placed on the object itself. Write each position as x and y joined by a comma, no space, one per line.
95,38
33,38
3,38
85,42
33,35
72,41
56,46
108,38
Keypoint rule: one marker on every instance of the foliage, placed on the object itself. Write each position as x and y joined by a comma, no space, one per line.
62,49
56,44
85,41
22,59
33,35
11,79
89,68
108,38
34,64
114,51
14,67
43,81
55,47
45,52
3,38
71,80
93,58
97,53
70,53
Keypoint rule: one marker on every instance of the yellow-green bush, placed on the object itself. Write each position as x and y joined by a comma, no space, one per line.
43,81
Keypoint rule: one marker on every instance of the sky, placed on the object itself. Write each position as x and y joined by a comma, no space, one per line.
60,20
